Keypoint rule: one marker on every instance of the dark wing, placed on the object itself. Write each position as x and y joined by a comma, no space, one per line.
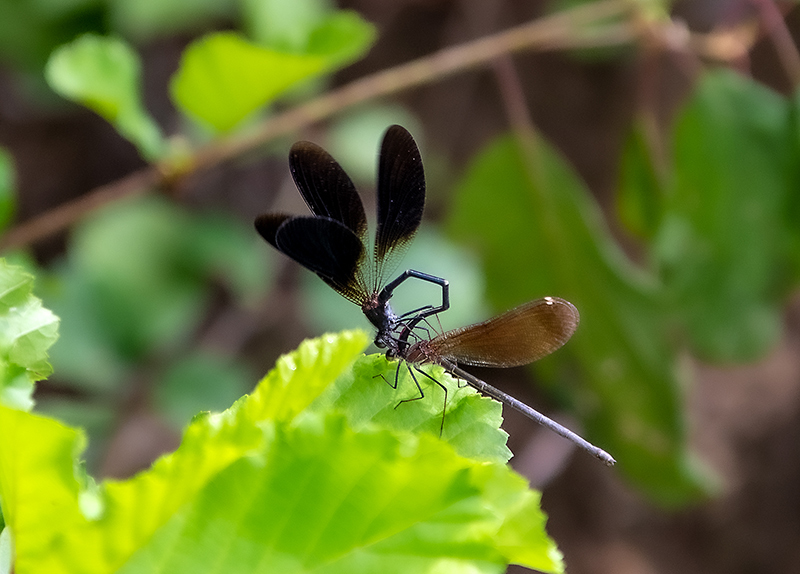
401,194
517,337
326,188
328,248
267,226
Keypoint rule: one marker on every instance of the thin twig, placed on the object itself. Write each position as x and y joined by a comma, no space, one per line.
560,31
61,217
781,39
569,29
516,107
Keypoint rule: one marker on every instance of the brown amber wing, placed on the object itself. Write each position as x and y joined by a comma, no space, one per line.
517,337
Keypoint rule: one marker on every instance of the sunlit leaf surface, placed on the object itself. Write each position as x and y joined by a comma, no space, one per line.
273,485
27,330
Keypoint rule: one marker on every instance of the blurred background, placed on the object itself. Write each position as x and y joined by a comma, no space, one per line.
641,163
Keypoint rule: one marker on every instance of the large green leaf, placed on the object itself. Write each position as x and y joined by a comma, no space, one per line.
723,243
640,197
270,485
792,214
8,188
540,233
103,74
27,330
470,422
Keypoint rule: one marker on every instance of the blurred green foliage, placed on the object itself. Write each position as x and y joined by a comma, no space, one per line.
285,26
139,275
104,75
135,285
722,257
200,381
223,78
540,233
723,240
147,19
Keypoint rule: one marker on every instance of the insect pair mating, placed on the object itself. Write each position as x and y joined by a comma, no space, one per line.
333,243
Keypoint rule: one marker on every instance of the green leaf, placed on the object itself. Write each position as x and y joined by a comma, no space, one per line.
223,78
327,499
15,286
8,197
724,243
540,233
342,37
470,423
103,74
27,330
792,214
641,193
38,488
309,27
281,25
274,491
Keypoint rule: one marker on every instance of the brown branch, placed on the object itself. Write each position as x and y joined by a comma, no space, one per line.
61,217
516,107
781,38
584,26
